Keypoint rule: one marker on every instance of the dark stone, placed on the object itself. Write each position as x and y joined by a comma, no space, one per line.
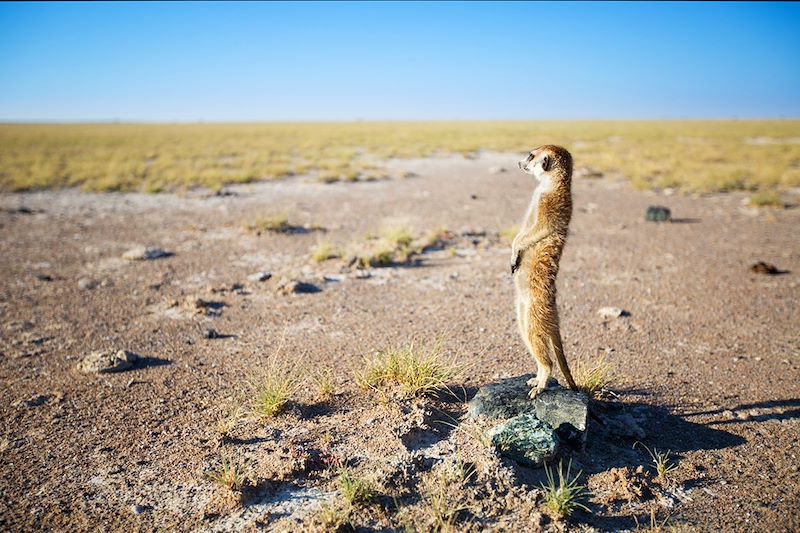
524,421
657,213
210,334
525,439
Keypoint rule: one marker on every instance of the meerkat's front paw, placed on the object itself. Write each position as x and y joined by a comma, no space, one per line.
516,259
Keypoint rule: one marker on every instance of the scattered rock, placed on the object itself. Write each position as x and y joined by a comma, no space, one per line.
657,213
204,307
237,288
293,286
496,170
259,276
531,430
139,509
765,268
142,253
87,284
612,312
107,361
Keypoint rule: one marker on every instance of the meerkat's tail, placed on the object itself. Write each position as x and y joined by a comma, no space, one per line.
562,361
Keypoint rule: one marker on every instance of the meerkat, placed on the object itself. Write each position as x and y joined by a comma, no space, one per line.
535,254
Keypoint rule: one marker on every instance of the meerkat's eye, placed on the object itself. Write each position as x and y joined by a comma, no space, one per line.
545,163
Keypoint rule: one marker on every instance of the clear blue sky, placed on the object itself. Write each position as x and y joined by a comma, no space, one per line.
345,61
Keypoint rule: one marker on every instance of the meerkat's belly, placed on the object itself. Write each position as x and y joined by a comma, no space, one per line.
538,270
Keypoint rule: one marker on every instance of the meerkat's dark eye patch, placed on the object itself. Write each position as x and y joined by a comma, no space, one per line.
546,163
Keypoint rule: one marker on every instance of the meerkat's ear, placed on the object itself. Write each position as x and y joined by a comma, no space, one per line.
546,163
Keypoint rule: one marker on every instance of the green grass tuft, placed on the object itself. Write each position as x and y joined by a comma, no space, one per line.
231,474
354,489
662,461
274,391
561,498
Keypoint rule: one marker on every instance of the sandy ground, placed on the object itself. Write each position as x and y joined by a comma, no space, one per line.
709,355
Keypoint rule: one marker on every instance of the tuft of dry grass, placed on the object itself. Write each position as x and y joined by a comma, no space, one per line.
411,370
395,245
594,379
353,488
562,497
765,199
323,382
274,390
322,252
397,236
335,516
445,496
277,224
231,474
227,423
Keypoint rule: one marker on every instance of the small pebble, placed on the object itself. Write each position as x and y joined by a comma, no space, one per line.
87,284
612,312
210,334
259,276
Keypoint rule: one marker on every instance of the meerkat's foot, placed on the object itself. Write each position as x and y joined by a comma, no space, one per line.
535,390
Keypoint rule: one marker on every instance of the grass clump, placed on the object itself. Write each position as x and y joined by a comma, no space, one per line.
765,199
445,494
396,245
411,370
662,461
227,423
594,379
563,497
398,236
322,252
231,474
323,382
354,489
277,224
274,391
335,517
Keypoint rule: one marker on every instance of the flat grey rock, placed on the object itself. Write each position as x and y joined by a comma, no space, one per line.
145,253
259,276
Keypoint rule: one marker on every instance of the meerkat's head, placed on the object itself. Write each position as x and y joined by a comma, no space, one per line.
548,161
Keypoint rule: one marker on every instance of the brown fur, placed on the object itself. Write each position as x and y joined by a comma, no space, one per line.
535,257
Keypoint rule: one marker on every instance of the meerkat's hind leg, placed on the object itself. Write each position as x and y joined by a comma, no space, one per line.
544,366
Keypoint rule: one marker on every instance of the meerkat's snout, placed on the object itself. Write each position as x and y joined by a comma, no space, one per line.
527,165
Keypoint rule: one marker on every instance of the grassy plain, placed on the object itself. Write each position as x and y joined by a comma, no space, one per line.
692,156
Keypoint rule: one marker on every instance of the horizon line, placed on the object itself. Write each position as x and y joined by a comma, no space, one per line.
90,122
